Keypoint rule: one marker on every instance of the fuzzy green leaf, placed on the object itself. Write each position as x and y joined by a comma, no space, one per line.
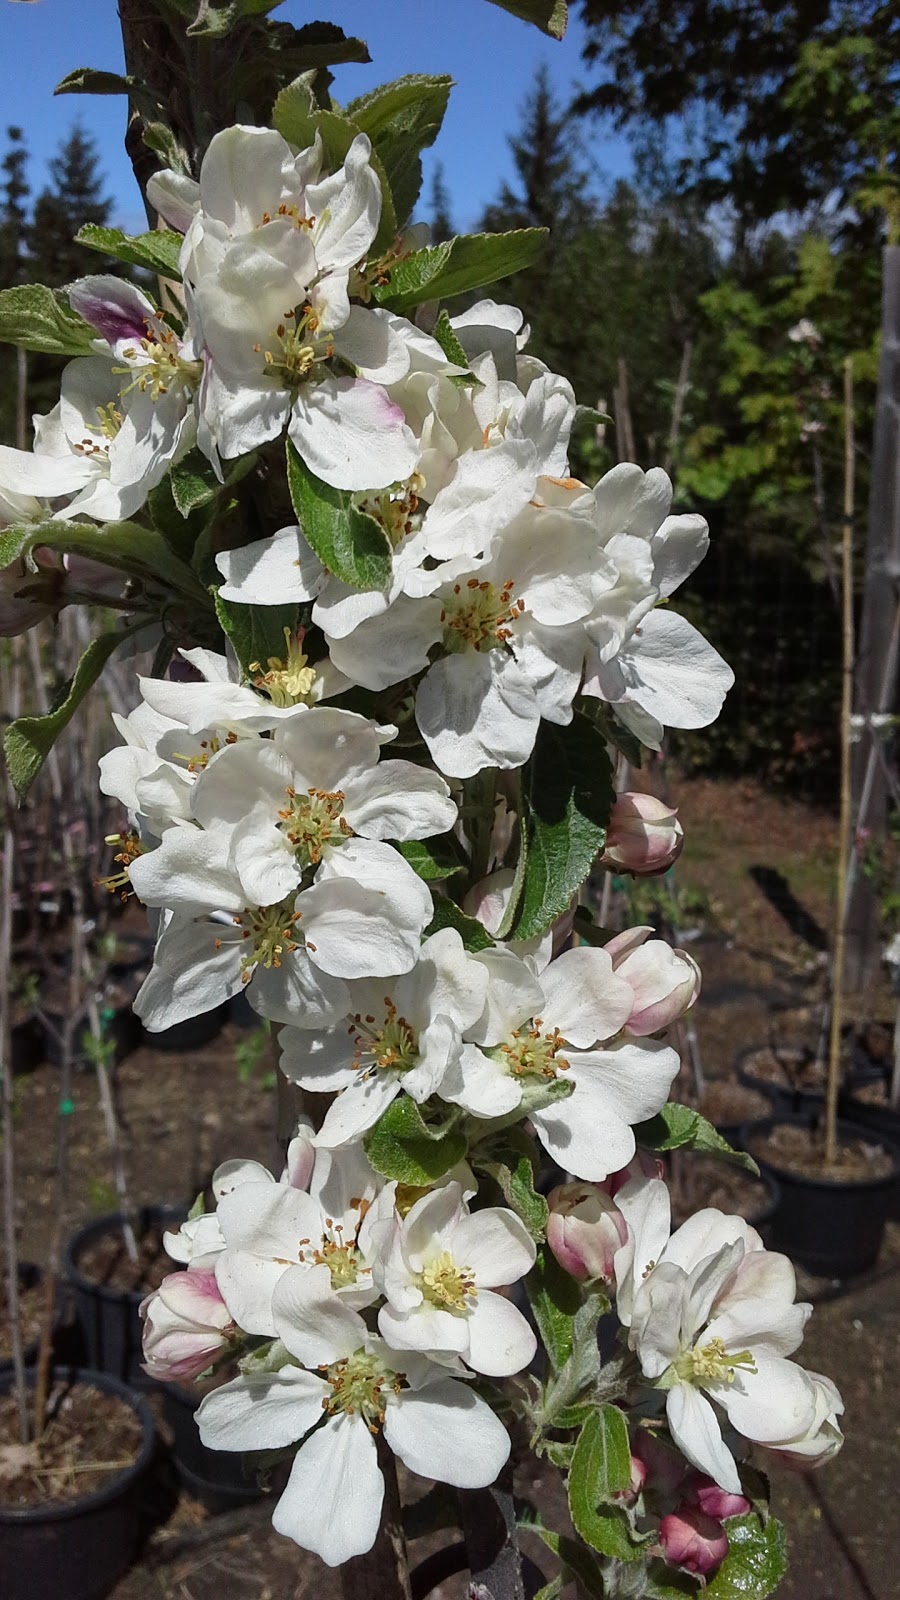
157,251
678,1127
473,933
347,541
142,552
567,801
551,16
401,119
29,740
756,1561
554,1298
470,261
194,483
433,859
601,1468
448,341
38,318
510,1160
403,1146
92,80
256,632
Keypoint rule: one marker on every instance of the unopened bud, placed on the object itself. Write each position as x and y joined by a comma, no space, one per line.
706,1495
584,1230
665,982
692,1540
644,836
187,1325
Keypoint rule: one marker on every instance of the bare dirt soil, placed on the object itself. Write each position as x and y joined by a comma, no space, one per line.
755,896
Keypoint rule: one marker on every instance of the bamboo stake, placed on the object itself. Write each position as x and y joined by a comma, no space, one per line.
837,1007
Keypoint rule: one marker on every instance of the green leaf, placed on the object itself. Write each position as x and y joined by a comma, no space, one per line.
665,1583
347,541
433,859
567,1393
401,119
580,1561
448,915
194,483
589,930
756,1561
403,1146
256,632
467,262
554,1297
29,740
38,318
214,21
142,552
510,1159
678,1127
567,801
448,341
601,1468
157,251
91,80
550,16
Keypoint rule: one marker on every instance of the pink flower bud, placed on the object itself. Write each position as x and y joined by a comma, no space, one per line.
643,1164
706,1495
692,1540
584,1230
665,982
665,1468
644,836
187,1325
635,1483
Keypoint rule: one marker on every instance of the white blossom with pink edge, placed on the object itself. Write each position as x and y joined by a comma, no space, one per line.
644,836
585,1229
187,1326
665,983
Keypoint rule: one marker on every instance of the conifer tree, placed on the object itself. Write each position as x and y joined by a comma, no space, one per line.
442,227
14,191
73,197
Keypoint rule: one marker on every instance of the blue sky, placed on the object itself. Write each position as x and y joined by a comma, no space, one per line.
491,56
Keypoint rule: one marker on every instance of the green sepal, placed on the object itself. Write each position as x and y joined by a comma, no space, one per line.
158,251
470,261
29,740
677,1127
347,541
38,318
433,859
403,1146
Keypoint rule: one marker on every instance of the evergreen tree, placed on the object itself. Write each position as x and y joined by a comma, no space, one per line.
552,186
74,197
14,193
441,221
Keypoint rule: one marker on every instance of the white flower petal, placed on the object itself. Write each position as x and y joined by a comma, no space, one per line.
695,1430
446,1432
500,1340
262,1411
311,1321
352,435
332,1503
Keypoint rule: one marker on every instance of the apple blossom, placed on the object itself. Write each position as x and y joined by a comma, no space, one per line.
691,1539
706,1495
539,1032
644,836
434,1423
822,1439
584,1230
438,1276
187,1325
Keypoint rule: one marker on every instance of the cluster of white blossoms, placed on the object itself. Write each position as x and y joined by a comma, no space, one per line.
458,598
349,1306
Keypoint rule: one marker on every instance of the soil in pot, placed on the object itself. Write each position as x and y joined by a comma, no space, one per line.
89,1436
31,1310
703,1181
107,1262
788,1070
793,1148
727,1104
71,1513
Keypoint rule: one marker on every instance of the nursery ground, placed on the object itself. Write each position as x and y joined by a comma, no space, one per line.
753,893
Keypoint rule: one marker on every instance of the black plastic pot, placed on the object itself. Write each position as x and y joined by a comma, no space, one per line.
214,1477
785,1101
192,1034
77,1550
26,1040
833,1229
109,1318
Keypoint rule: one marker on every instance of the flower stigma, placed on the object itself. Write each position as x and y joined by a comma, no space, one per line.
478,616
713,1363
447,1286
357,1388
287,682
531,1053
393,1047
271,932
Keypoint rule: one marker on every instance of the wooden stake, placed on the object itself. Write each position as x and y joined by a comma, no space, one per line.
837,976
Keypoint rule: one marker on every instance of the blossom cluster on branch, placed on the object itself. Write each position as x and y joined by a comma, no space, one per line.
400,652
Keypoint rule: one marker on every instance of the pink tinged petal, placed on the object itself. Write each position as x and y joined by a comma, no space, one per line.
262,1411
117,310
270,572
446,1432
500,1340
708,1497
583,998
495,1245
778,1401
332,1503
311,1321
693,1540
695,1429
352,435
477,710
